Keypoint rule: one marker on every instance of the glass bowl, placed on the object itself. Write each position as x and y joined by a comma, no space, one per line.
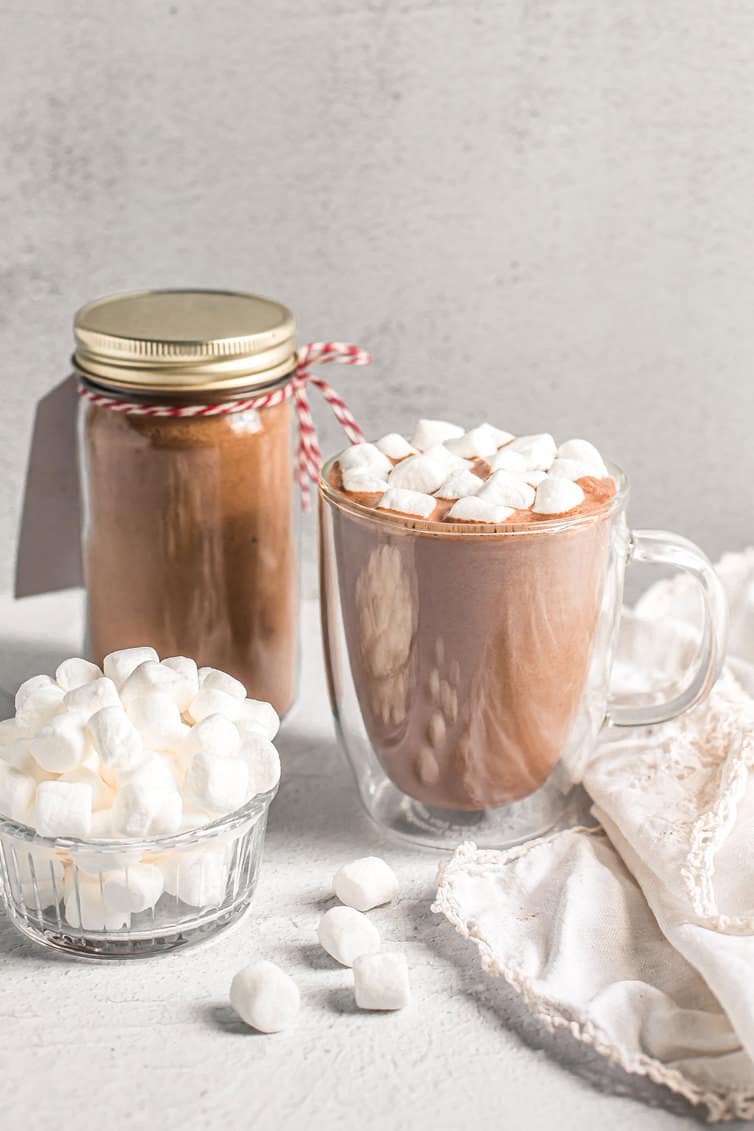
132,898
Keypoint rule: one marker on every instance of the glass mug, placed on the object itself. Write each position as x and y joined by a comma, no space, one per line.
468,667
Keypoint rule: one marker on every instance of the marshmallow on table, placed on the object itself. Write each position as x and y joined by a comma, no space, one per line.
75,673
132,889
474,509
478,443
380,981
395,446
583,451
260,716
444,458
418,473
507,460
366,883
63,809
116,739
198,878
363,482
538,450
367,457
407,502
59,745
216,784
575,469
211,702
158,721
459,484
429,432
346,934
118,666
264,997
557,496
262,762
505,489
16,793
38,707
92,697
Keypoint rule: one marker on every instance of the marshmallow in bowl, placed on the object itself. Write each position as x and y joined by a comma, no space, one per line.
418,473
574,469
444,458
166,748
474,509
505,489
363,482
459,484
507,460
538,450
429,432
480,442
395,446
407,502
585,452
367,457
557,496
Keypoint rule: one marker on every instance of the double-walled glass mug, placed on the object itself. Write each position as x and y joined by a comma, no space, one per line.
468,665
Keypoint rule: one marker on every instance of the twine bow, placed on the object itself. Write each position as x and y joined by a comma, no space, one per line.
308,455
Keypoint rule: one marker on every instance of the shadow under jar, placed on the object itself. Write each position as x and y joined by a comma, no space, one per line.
189,536
468,665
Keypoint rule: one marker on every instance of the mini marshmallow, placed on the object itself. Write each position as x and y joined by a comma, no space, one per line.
407,502
478,442
102,794
575,469
346,934
366,883
367,457
157,771
265,997
583,451
85,908
29,686
505,489
92,697
211,702
557,496
132,889
118,666
534,478
59,745
459,485
507,460
143,810
75,673
395,446
158,720
216,784
14,747
474,509
263,763
188,686
63,809
116,739
16,793
198,878
380,981
151,678
39,707
363,482
216,734
429,432
444,458
538,450
214,680
417,473
258,715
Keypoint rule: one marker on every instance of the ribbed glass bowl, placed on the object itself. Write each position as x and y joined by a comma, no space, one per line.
59,891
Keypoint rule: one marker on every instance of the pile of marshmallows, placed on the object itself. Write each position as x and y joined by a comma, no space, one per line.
524,473
146,748
267,998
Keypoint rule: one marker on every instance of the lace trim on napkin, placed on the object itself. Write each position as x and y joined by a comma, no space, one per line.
554,1014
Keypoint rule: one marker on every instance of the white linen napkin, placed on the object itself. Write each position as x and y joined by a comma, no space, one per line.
639,936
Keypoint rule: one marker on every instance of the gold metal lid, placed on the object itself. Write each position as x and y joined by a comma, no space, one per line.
179,341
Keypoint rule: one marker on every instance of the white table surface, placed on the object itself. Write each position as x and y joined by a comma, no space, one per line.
153,1042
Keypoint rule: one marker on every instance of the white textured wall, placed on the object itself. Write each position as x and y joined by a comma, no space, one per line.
535,211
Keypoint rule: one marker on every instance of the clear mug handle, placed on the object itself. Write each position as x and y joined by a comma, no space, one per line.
658,547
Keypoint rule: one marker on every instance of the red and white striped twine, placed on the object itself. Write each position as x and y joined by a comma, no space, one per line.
308,456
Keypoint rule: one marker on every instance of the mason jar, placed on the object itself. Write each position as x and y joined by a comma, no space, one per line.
189,529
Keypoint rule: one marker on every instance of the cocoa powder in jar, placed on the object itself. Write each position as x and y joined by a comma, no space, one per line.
188,541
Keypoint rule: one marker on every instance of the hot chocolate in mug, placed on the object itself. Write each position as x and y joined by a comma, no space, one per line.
468,663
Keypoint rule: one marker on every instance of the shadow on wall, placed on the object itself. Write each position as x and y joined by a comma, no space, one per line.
49,546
